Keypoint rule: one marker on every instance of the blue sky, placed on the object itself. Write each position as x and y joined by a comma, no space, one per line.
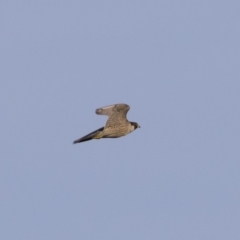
176,63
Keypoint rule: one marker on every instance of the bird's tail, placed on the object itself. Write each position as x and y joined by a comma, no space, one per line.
93,135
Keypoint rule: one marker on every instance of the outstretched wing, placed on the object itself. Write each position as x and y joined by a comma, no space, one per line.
109,110
93,135
116,113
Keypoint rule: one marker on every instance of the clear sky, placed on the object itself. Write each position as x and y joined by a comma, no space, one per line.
176,63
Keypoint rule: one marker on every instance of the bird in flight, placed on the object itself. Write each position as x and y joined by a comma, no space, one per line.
116,126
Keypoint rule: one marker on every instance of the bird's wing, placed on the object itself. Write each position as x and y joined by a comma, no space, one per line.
109,110
97,134
116,114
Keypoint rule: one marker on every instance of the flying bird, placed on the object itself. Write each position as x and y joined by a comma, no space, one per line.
116,126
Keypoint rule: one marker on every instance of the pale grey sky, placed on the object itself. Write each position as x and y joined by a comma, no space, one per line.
176,63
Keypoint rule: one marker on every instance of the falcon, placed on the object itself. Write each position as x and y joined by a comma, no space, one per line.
116,126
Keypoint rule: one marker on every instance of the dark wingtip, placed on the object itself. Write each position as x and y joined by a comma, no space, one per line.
77,141
98,111
88,137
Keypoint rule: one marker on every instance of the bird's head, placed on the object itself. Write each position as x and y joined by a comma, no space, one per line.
135,125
